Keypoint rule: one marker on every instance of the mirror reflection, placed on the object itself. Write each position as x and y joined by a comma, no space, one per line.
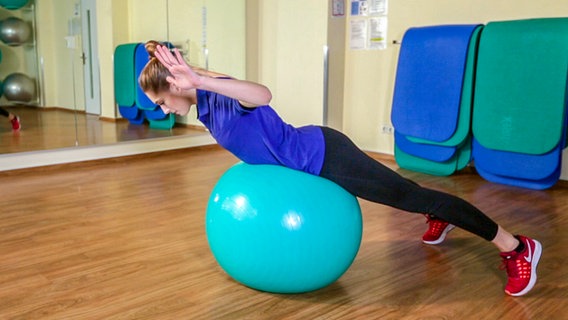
68,57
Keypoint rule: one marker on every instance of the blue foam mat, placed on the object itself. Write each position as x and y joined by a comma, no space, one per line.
155,114
132,113
463,130
516,165
460,160
425,151
429,81
141,58
539,184
410,162
129,112
530,171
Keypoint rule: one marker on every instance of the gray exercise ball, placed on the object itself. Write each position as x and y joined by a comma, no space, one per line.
14,31
19,87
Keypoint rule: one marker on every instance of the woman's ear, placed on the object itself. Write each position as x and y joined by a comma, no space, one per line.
174,89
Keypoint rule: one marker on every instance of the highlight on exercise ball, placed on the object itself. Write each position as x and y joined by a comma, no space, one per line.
280,230
13,4
15,31
19,87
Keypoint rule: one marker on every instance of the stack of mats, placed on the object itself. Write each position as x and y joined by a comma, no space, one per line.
519,117
133,104
433,98
124,84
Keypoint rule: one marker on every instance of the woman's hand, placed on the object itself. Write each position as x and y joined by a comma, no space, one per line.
183,77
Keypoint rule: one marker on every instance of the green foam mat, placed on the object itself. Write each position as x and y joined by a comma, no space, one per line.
124,75
458,162
520,91
163,124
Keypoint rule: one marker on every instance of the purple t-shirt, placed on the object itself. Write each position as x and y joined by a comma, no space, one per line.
258,135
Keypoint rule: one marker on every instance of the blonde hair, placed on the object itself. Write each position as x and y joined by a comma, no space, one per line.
153,76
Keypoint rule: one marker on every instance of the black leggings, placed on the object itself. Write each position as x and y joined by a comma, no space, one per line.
4,112
364,177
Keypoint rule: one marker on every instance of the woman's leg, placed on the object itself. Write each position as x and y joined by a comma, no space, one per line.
5,113
351,168
14,120
363,176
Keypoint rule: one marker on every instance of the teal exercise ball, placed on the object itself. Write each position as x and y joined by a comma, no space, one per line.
280,230
13,4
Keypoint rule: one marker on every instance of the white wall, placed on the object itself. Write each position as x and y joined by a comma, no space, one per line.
292,35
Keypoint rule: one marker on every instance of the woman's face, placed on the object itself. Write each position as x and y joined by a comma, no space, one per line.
171,103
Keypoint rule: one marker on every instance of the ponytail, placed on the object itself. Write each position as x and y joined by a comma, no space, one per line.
154,74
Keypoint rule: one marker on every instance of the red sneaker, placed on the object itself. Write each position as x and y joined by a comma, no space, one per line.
437,230
521,267
16,123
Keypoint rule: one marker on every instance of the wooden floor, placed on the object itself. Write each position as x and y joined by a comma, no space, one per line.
125,239
54,128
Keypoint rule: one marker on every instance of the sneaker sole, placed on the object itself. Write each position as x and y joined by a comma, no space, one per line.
534,264
442,237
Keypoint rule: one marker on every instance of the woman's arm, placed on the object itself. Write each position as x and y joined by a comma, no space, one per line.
249,94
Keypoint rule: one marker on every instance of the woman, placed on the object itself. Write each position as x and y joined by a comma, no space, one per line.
237,114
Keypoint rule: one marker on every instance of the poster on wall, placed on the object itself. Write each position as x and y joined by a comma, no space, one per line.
378,33
378,7
368,27
358,34
359,7
338,8
368,7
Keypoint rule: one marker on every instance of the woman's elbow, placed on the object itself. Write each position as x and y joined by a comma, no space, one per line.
267,96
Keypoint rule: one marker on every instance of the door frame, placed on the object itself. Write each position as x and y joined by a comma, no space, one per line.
91,66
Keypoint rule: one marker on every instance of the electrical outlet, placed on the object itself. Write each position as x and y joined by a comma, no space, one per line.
387,129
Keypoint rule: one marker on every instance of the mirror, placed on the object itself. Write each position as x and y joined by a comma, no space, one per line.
210,33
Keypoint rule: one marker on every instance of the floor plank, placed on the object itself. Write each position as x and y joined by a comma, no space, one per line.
54,128
125,239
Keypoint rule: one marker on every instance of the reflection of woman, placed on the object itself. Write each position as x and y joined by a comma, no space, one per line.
237,114
14,119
